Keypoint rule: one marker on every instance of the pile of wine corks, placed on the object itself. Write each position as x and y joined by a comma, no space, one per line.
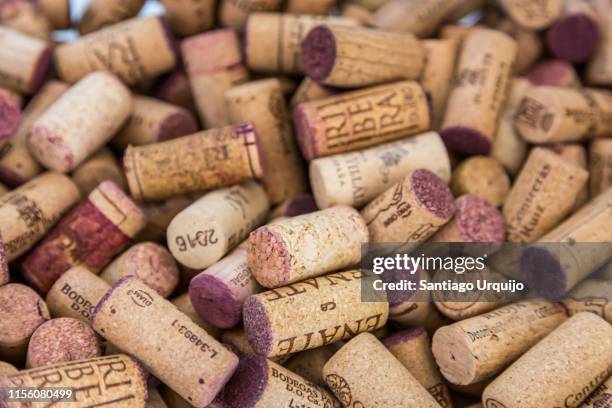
185,198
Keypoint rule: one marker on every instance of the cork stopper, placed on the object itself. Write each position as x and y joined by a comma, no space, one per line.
297,205
26,17
600,166
183,304
309,90
529,45
318,7
575,35
102,13
590,295
576,154
7,369
57,12
174,88
159,215
234,13
554,72
189,17
101,166
359,13
62,340
309,245
10,114
309,363
533,16
482,176
599,69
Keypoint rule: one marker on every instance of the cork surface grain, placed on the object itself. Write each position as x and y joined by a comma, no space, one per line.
554,72
477,220
4,269
10,114
573,37
21,311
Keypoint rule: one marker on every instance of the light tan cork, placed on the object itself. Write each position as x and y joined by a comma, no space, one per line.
356,178
357,382
183,304
154,399
309,90
146,51
102,13
309,363
202,161
32,209
309,314
533,15
7,369
312,7
542,195
189,17
549,114
76,294
150,262
359,119
209,228
136,319
370,5
600,166
80,122
26,17
591,295
352,57
529,45
118,380
160,214
100,166
575,154
482,176
356,12
234,13
262,103
412,348
599,69
57,12
477,348
600,397
476,98
309,245
583,342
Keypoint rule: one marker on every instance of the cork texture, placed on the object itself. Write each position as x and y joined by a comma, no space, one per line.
99,167
437,75
26,17
600,397
188,17
599,69
10,114
101,13
590,295
184,305
160,214
7,369
309,90
318,7
234,13
481,176
57,12
574,36
309,363
575,154
553,72
533,16
297,205
600,166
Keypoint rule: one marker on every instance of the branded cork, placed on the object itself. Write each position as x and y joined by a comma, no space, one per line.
101,13
297,205
202,161
146,52
351,57
574,36
315,312
208,229
482,176
60,341
600,397
574,154
150,262
591,295
234,13
100,166
309,245
262,103
118,380
599,68
7,369
309,90
412,347
26,17
183,304
476,99
533,15
97,230
542,195
583,342
410,211
174,88
159,215
214,64
75,294
260,383
473,349
309,363
188,17
10,114
356,382
218,292
560,114
31,210
554,72
600,166
81,121
313,7
359,119
57,12
136,319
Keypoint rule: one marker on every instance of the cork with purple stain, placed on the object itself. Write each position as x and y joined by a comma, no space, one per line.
10,114
298,205
554,72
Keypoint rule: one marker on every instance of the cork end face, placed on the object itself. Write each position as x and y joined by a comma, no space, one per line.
319,53
268,258
41,68
433,193
573,38
305,134
464,140
214,301
404,336
176,125
543,272
552,73
23,311
301,204
248,384
49,148
155,266
10,115
479,220
257,327
453,355
107,296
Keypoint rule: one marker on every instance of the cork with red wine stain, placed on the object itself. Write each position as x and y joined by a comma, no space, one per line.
98,229
554,72
482,176
575,35
10,114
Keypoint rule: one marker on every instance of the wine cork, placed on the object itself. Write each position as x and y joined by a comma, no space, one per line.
574,154
102,13
30,211
600,166
174,88
482,176
356,382
356,178
565,263
26,17
183,304
313,7
358,13
17,165
150,262
351,57
410,211
591,295
560,114
202,161
159,215
188,17
24,61
57,12
213,61
297,205
261,103
309,245
4,269
309,363
600,397
154,121
437,75
475,101
542,195
529,45
574,36
321,310
118,380
208,229
7,369
533,15
146,52
60,341
412,348
234,13
75,294
359,119
81,121
136,319
473,349
236,340
260,383
583,342
554,72
218,292
100,166
10,114
599,68
96,231
309,90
